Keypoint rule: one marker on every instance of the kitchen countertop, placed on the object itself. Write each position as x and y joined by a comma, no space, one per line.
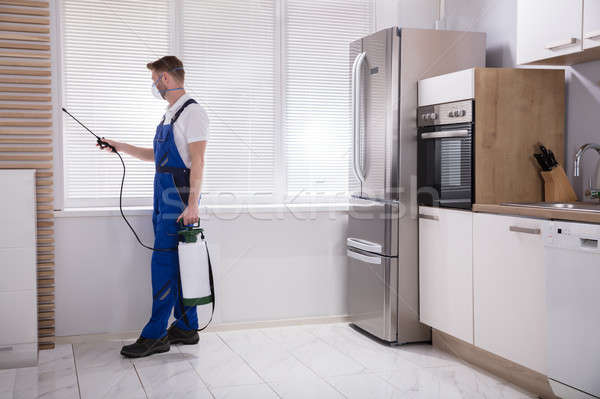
541,213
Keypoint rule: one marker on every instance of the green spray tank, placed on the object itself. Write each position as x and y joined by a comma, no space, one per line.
194,266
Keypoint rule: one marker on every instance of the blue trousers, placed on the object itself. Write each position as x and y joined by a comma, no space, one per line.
166,284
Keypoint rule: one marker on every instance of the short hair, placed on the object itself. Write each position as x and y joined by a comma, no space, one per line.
170,64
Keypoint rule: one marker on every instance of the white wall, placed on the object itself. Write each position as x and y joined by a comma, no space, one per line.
498,19
268,266
583,118
406,13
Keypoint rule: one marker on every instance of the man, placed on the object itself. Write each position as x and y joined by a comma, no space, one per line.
178,154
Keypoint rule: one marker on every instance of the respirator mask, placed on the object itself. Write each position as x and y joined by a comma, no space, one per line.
160,94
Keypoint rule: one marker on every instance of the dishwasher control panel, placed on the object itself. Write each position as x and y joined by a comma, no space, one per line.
569,235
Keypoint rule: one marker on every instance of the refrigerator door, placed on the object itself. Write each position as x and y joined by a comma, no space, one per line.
372,285
375,93
373,226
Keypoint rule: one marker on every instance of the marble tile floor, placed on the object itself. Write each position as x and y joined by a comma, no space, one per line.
315,361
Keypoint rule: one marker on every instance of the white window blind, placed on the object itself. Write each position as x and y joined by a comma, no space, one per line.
106,45
229,57
317,92
273,76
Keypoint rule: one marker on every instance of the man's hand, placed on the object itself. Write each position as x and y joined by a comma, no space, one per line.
118,145
145,154
189,215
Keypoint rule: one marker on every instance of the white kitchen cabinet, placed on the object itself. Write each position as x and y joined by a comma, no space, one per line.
18,293
591,24
510,289
548,28
446,271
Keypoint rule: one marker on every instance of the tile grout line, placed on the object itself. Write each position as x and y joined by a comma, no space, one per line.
456,358
139,379
322,378
196,371
76,370
222,386
365,370
251,368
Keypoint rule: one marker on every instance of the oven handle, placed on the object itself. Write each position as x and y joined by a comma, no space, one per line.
445,134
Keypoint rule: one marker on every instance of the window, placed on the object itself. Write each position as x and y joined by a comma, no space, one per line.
229,56
106,46
317,93
272,74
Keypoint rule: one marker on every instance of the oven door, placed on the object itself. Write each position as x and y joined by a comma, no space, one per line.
445,166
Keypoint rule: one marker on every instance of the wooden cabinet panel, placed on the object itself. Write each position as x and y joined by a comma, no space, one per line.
445,271
510,289
515,110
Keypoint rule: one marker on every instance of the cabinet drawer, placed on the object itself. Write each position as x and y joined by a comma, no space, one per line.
18,269
18,312
372,284
17,209
20,355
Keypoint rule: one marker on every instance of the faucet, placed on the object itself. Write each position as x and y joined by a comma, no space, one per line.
593,192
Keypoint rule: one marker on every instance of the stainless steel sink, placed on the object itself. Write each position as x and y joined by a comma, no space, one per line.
572,206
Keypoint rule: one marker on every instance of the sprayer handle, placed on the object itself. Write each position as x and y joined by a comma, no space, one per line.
103,144
180,222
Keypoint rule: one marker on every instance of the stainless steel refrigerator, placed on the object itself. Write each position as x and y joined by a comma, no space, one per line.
382,241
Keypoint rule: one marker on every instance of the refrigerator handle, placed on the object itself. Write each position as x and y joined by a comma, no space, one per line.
356,96
364,245
376,260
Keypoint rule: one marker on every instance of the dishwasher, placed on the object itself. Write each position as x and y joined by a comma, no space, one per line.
572,259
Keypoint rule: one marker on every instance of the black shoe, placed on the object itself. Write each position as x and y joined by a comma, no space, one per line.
146,347
180,336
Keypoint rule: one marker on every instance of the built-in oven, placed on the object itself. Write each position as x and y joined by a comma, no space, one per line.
445,174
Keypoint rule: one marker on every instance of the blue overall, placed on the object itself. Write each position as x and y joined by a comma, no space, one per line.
171,192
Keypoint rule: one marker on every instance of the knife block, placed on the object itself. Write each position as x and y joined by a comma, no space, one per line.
557,187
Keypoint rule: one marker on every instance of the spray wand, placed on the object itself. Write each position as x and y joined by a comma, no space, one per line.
103,144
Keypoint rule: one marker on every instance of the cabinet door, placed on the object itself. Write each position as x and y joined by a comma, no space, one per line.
446,271
19,317
591,24
548,28
509,287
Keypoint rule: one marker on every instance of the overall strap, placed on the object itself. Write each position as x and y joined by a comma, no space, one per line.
180,110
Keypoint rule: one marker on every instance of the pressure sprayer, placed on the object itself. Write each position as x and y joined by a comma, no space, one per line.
195,269
196,282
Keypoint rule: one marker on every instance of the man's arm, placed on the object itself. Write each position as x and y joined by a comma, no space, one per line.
197,150
145,154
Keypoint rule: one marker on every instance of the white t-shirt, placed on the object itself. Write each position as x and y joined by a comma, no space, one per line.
191,126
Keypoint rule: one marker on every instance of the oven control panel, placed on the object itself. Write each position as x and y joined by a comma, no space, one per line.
445,114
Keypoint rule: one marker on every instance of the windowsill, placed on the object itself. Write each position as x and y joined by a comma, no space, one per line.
210,210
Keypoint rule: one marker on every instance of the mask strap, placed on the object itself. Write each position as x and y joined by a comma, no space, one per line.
177,88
